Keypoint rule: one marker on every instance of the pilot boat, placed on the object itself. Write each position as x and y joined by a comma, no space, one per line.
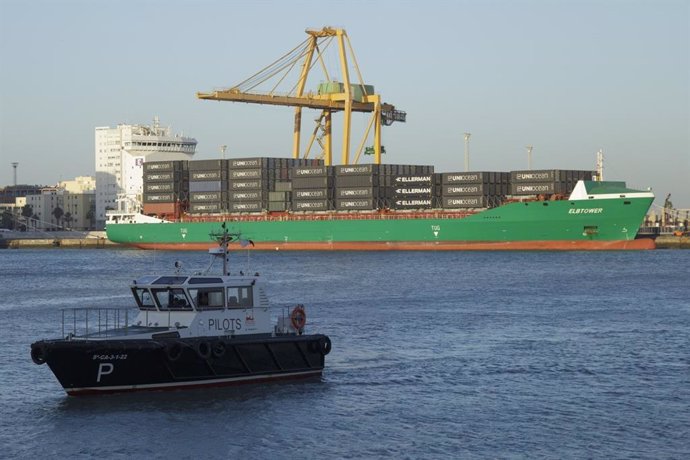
186,331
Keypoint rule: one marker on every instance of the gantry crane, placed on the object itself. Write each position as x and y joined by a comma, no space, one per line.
332,96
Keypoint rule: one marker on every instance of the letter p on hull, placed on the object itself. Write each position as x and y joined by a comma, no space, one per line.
104,369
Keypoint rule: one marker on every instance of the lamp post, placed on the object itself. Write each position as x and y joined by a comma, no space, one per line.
467,151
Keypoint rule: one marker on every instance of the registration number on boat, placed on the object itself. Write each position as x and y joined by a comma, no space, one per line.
109,357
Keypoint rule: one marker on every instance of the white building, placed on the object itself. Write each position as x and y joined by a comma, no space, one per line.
79,184
120,155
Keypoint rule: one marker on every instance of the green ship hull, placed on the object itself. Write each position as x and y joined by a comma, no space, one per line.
601,221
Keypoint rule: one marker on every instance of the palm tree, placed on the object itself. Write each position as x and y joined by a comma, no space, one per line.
91,215
58,213
68,219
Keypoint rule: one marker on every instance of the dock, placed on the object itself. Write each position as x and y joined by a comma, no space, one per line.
63,239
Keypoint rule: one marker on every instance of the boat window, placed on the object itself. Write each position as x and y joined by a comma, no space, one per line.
170,280
205,280
207,298
171,299
143,298
239,297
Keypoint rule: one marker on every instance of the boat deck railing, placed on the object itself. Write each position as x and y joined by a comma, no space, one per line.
96,322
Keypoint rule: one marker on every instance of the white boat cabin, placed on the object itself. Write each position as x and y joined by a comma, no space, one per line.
203,305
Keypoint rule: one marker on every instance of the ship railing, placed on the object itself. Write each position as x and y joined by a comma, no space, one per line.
96,322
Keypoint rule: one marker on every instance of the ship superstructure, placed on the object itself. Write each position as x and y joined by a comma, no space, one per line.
120,154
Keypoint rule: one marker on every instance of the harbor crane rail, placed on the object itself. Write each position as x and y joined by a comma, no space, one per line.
332,96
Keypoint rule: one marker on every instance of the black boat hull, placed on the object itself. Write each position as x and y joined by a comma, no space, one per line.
106,366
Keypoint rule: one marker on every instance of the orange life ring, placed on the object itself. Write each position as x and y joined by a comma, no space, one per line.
298,317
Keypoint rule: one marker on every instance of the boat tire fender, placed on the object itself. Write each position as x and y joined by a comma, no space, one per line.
218,349
38,353
203,349
325,344
173,351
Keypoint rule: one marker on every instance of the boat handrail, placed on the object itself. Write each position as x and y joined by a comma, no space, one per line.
103,321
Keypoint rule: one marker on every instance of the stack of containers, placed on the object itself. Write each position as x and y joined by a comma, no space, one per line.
249,183
165,187
208,184
359,187
312,188
546,181
478,189
409,186
281,196
261,183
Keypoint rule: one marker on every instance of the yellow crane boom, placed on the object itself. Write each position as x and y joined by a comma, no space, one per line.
332,96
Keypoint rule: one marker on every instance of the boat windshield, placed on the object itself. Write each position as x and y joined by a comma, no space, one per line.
144,299
171,299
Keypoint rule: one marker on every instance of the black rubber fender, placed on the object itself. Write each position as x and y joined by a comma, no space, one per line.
325,345
173,351
219,349
38,353
203,349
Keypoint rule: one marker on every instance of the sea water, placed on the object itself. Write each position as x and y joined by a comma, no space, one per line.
435,355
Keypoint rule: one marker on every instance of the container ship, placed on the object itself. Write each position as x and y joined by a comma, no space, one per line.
301,204
297,204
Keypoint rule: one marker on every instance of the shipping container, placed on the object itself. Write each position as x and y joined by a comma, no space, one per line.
245,174
208,175
161,187
412,190
311,171
357,170
159,198
156,209
474,177
247,195
246,206
207,186
248,163
538,188
470,189
355,204
157,166
207,165
464,202
312,194
210,207
275,206
208,196
279,196
357,192
312,182
411,203
169,176
283,186
359,181
310,205
258,184
408,180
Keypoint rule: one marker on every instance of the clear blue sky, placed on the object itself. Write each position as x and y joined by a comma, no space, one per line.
568,78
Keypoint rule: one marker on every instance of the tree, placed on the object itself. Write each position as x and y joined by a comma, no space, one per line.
27,210
58,213
7,220
91,215
68,219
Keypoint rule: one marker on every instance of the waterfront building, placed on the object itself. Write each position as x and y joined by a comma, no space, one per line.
120,155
